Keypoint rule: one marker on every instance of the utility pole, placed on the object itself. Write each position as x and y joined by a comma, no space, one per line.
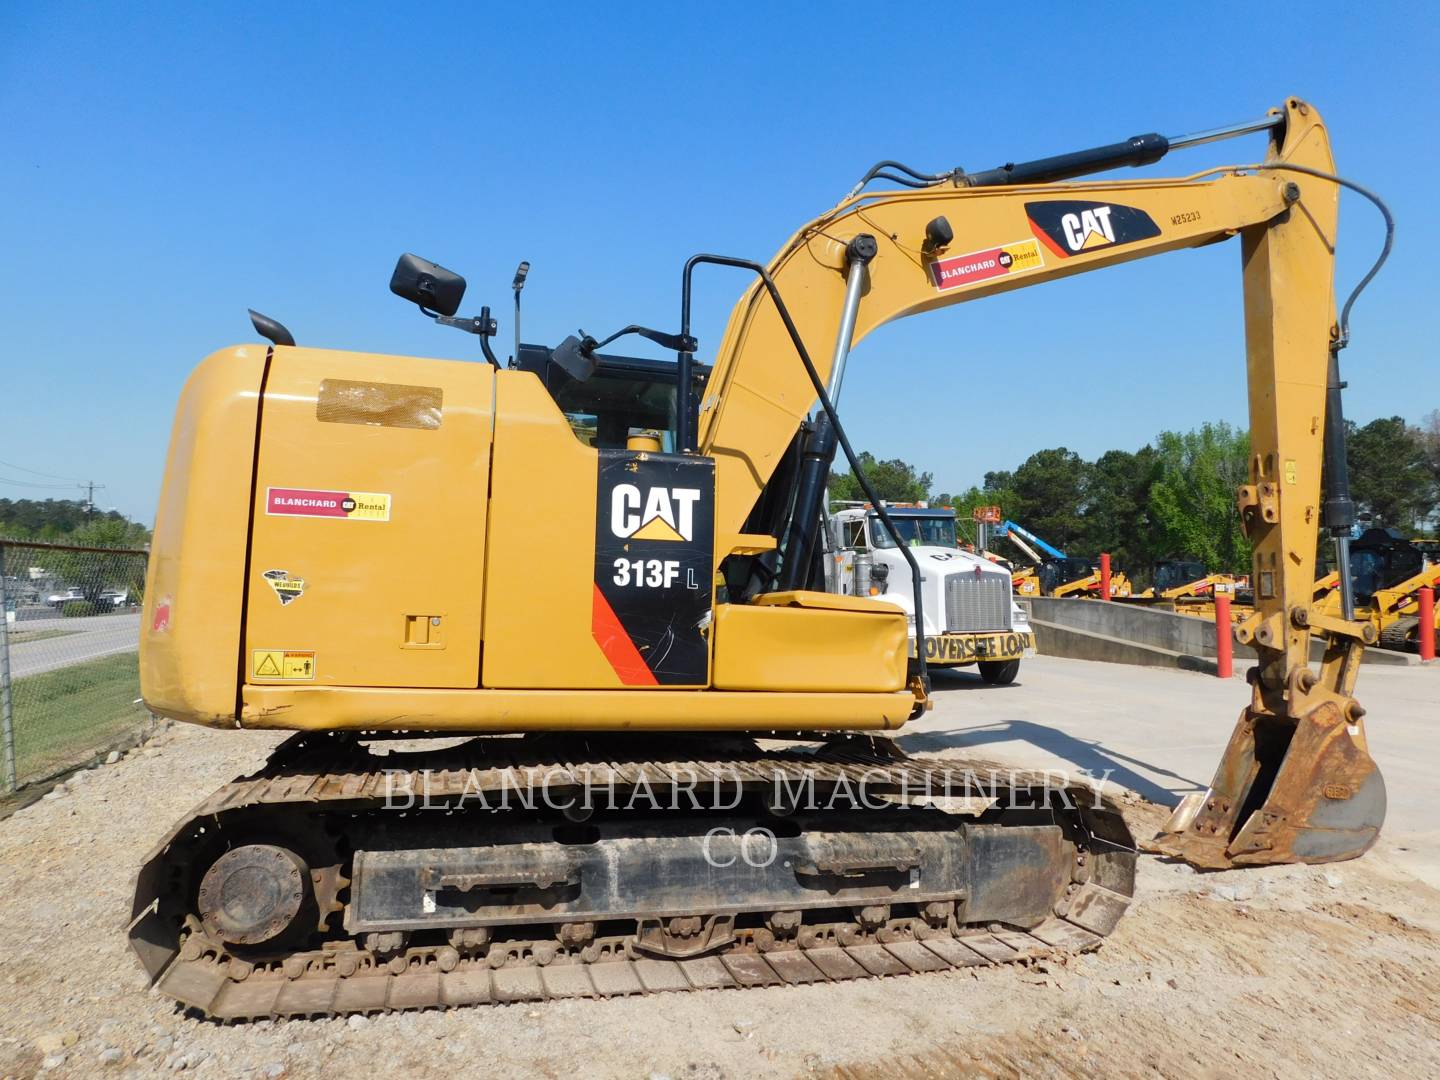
90,487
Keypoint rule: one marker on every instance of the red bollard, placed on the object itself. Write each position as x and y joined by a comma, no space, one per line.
1224,637
1427,623
1104,576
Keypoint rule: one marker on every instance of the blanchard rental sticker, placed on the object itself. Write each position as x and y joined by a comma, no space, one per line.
351,505
1006,260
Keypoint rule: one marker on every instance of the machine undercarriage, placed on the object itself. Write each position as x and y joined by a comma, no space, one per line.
344,879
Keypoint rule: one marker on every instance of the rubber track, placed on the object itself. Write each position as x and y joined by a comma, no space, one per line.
1397,634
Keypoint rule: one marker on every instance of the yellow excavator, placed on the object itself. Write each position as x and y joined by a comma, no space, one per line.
1186,579
573,716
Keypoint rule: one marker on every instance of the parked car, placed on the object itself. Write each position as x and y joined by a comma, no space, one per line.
110,599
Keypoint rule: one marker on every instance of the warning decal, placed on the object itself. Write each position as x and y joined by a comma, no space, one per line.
1003,261
306,502
282,664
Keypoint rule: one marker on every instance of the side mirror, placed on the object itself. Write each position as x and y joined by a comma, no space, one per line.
575,357
427,284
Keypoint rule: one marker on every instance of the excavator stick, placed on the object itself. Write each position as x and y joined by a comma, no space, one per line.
1296,783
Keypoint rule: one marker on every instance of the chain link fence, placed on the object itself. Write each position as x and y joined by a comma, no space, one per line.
69,677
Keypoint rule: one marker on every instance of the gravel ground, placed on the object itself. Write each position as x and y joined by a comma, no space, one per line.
1283,971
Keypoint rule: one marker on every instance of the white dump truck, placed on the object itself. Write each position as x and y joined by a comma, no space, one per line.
971,616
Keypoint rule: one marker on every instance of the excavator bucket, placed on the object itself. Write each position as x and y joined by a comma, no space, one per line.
1286,791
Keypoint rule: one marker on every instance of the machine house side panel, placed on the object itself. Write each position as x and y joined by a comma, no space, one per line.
367,559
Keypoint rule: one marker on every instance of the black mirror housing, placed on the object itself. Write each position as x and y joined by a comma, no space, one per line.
427,284
575,357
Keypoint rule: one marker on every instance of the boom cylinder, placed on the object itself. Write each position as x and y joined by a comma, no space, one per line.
816,459
860,251
822,441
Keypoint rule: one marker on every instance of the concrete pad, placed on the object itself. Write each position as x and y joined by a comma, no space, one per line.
1161,732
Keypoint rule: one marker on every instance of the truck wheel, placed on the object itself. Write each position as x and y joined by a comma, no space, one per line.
999,672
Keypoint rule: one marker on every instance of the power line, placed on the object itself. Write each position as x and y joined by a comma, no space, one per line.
37,472
30,483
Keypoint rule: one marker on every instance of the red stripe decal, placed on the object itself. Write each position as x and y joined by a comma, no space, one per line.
615,643
1046,239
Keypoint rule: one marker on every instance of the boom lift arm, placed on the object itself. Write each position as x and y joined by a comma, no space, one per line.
1297,781
1020,536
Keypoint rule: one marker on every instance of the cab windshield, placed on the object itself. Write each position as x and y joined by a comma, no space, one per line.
936,531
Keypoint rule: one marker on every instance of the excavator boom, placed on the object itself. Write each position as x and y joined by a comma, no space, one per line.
1297,781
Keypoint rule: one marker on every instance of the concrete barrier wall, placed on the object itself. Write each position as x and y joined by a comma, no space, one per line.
1129,633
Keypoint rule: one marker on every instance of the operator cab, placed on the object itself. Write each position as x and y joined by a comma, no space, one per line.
626,395
1054,573
608,399
1173,573
1382,559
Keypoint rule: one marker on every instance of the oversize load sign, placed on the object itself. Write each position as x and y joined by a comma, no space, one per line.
1002,261
305,502
947,648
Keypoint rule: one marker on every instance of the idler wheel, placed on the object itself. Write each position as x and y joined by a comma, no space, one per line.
253,894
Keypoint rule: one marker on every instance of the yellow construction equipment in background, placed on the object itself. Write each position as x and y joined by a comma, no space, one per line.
1185,579
1388,572
458,561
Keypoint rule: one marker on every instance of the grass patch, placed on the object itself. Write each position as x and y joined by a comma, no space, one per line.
65,717
19,637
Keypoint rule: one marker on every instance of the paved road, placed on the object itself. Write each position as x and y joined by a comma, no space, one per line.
1161,732
87,638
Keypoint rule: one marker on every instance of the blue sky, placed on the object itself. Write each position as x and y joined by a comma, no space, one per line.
166,167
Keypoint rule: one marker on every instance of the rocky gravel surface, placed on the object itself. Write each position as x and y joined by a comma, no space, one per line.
1275,972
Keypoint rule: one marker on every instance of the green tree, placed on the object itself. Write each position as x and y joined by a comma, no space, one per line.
893,480
1117,509
1048,496
1391,475
94,572
966,502
59,520
1003,480
1192,499
1430,437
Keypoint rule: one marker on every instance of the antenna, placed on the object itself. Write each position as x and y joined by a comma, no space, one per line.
519,283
